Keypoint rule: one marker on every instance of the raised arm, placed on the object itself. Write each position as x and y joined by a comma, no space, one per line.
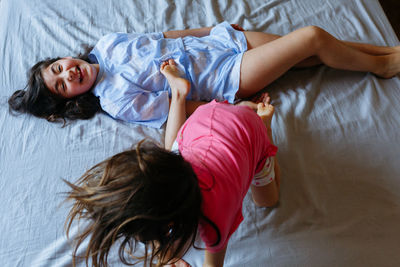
180,88
267,195
199,32
214,259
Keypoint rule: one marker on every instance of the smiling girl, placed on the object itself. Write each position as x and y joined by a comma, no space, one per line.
121,74
70,77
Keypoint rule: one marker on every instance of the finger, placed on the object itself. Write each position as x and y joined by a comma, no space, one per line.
237,27
271,108
260,97
265,96
164,64
266,99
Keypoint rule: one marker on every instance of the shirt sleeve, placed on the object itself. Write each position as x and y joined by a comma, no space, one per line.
146,108
266,175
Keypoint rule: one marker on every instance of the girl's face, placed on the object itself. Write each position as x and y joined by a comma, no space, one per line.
69,77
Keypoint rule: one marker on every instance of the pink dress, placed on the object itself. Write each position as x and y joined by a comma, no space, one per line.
226,145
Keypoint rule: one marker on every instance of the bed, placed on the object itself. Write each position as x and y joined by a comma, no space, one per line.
337,133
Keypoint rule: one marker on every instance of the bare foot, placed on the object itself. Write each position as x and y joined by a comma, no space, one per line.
392,67
179,86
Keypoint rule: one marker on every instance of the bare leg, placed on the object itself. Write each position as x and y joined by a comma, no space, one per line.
264,63
256,39
373,49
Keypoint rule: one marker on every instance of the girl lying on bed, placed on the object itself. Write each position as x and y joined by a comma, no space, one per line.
162,198
121,77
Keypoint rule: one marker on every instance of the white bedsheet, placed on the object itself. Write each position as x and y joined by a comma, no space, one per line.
337,133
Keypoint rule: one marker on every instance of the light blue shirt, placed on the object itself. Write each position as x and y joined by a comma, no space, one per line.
131,87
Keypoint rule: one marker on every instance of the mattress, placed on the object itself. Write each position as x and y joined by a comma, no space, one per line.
337,133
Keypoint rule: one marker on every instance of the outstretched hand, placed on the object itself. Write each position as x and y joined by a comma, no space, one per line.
169,67
265,110
253,103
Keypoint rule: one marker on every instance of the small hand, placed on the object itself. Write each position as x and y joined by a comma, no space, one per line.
265,110
237,27
169,67
180,87
263,97
253,103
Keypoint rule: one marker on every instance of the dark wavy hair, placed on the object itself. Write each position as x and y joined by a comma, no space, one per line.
39,101
148,195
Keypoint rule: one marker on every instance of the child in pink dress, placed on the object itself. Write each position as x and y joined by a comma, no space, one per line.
163,198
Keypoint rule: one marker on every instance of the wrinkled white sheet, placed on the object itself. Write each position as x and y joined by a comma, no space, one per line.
337,132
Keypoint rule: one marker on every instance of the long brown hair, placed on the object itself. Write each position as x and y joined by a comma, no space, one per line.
148,195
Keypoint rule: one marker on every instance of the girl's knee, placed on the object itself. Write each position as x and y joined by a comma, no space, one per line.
316,36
